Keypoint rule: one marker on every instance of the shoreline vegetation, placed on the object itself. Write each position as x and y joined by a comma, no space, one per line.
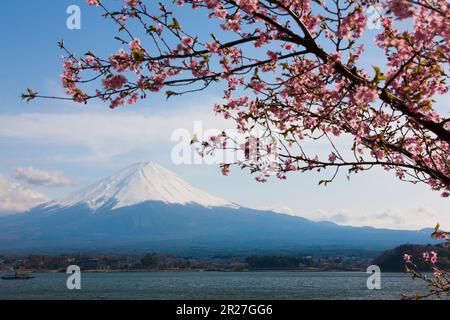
388,261
190,270
157,262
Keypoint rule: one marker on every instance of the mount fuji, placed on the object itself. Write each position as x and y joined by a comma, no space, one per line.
146,207
140,183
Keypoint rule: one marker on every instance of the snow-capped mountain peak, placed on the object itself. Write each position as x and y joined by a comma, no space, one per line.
139,183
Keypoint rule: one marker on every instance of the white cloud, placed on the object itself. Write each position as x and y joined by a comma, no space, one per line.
389,218
17,198
419,218
104,135
43,178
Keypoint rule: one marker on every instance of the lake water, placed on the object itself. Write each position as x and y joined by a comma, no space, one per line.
211,285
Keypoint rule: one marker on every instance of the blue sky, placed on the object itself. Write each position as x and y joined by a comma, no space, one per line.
86,143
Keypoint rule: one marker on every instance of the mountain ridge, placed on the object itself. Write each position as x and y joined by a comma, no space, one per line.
171,215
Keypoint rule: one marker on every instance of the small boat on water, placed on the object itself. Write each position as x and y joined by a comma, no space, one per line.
19,276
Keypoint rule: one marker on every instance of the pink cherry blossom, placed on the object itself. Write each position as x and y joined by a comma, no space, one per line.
299,70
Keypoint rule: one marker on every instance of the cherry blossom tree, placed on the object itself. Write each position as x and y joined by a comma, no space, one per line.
439,284
292,68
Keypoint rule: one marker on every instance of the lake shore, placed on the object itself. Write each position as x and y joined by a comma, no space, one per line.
183,270
178,285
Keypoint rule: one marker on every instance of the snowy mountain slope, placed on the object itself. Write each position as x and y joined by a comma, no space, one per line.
146,208
139,183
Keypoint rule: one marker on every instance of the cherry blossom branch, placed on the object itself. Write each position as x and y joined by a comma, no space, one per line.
292,71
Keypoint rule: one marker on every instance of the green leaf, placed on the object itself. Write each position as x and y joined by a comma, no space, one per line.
138,55
256,73
214,37
194,140
175,24
151,29
30,95
436,229
324,182
170,93
379,76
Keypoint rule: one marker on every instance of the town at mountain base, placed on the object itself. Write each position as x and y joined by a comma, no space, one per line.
147,208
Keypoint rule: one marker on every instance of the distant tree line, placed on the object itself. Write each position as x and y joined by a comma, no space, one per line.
160,261
393,260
